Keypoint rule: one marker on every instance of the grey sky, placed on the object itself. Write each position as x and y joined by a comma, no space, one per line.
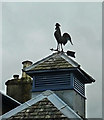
27,34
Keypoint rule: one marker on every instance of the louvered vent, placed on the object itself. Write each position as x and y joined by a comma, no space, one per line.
80,87
52,80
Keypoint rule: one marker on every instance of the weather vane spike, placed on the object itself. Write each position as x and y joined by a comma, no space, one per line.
62,40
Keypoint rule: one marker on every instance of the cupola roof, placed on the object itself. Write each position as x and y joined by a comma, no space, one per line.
58,61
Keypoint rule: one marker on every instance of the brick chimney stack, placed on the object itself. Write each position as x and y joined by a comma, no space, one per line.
19,88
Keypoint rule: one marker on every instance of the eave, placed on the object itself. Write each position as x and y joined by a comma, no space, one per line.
77,70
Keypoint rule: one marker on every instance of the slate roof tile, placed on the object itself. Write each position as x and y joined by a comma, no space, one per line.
43,109
53,63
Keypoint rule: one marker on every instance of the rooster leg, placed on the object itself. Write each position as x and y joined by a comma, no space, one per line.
57,47
61,48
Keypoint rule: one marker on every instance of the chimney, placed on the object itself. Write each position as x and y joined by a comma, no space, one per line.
26,64
19,88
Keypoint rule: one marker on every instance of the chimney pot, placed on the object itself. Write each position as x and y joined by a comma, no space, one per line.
26,63
16,76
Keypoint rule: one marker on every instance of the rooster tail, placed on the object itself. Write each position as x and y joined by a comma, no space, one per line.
68,37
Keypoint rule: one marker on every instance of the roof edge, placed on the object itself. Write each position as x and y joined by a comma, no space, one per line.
10,98
68,59
87,76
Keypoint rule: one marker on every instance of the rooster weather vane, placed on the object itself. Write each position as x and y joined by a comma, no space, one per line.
62,40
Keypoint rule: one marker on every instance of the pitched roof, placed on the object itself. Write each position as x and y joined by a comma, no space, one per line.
42,109
47,105
54,61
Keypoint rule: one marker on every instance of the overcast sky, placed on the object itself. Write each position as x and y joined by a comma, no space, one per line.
27,34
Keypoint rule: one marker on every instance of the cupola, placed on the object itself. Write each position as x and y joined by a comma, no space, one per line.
63,75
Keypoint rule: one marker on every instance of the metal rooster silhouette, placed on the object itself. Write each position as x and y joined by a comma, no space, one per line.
61,39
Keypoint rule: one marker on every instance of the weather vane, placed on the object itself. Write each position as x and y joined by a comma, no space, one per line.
62,40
